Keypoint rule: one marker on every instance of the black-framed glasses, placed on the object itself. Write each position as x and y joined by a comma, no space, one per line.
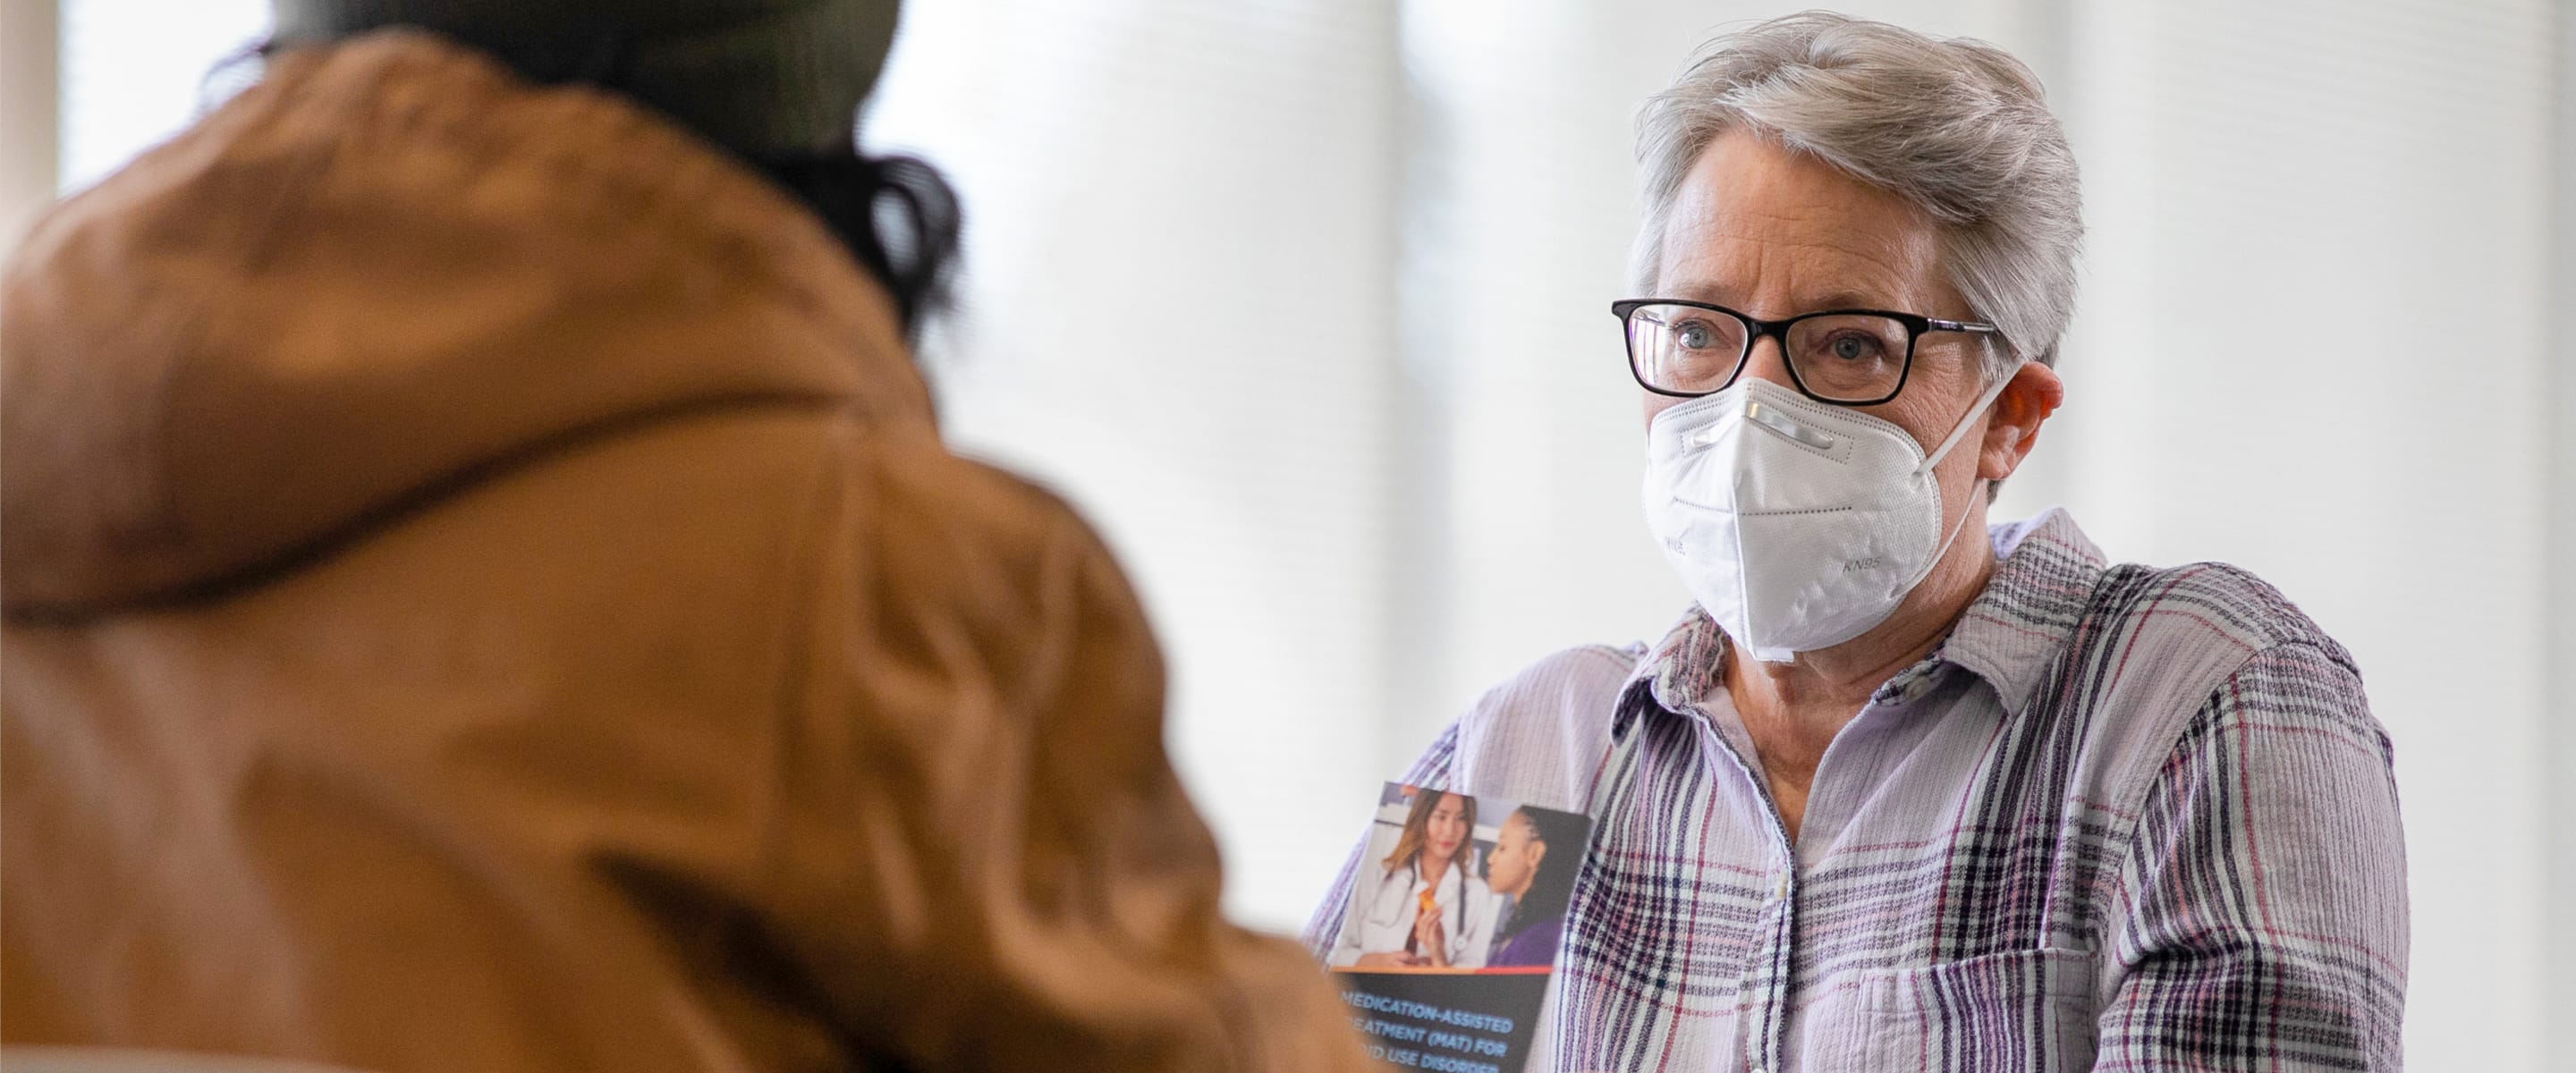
1847,357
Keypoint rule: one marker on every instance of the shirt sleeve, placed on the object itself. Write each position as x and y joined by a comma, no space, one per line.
2263,897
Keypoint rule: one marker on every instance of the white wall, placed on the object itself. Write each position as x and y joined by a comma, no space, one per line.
135,71
1182,232
27,112
2560,550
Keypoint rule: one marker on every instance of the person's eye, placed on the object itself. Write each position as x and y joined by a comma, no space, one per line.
1695,334
1854,346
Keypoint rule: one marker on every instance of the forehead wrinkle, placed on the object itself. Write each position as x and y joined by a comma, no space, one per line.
1739,272
1755,222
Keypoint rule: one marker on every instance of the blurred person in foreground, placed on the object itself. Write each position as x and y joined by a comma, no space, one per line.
484,591
1904,789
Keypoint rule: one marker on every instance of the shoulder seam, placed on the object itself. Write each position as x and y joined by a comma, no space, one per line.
2242,593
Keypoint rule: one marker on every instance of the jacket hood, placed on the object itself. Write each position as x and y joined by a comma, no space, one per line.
386,269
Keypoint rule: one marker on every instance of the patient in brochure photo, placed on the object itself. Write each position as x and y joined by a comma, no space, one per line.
1531,870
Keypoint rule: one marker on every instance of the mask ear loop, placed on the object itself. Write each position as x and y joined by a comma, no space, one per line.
1943,451
1961,429
1955,529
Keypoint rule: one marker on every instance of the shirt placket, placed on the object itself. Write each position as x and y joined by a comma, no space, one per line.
1770,969
1771,976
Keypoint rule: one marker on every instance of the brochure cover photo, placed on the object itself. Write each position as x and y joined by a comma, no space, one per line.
1455,915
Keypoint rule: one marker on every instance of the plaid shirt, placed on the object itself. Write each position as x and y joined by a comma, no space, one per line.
2122,818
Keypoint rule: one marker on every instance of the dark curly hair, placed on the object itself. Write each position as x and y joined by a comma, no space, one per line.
1565,837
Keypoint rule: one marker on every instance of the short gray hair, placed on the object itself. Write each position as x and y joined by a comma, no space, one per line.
1955,126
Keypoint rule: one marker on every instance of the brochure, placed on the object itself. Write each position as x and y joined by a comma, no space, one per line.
1451,933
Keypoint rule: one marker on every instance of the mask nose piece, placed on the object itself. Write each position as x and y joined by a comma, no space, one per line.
1770,417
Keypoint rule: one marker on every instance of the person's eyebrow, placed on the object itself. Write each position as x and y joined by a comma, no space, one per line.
1695,291
1848,299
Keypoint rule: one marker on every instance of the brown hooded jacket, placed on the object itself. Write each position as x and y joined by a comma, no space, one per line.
484,592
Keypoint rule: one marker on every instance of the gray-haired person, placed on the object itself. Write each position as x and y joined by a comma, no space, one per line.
1905,789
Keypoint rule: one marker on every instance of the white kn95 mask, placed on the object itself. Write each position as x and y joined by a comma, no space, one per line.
1797,525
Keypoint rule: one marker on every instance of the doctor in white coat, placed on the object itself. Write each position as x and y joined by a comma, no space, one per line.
1425,906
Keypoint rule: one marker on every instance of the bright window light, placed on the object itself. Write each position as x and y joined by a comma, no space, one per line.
134,73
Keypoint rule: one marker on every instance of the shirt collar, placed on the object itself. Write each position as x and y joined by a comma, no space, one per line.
2044,575
1686,665
2045,572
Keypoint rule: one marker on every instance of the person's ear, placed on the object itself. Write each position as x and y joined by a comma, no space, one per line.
2012,425
1537,853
